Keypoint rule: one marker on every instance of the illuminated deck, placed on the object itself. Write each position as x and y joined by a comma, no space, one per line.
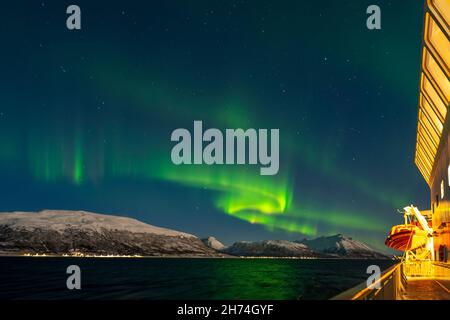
405,281
427,289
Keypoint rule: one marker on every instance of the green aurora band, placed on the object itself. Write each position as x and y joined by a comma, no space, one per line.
237,191
265,200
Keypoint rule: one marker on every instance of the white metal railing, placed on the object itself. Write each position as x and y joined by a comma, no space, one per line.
393,281
419,269
390,286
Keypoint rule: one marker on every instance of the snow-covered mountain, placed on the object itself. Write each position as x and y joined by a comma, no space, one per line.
270,248
337,246
63,231
341,246
213,243
79,232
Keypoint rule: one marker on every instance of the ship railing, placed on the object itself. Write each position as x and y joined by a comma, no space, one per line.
427,269
441,270
389,286
419,268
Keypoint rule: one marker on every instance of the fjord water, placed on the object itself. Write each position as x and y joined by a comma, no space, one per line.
156,278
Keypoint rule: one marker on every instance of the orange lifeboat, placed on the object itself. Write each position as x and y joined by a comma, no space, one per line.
406,237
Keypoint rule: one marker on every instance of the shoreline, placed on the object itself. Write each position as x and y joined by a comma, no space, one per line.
18,255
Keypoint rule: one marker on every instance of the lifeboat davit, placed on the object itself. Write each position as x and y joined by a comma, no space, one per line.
406,237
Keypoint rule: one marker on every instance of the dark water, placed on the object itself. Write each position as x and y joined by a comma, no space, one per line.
45,278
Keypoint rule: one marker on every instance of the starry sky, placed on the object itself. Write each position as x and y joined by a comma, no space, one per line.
86,116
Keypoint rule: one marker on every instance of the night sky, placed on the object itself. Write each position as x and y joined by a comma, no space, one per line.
86,116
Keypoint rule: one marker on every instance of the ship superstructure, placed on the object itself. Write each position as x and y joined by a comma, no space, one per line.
424,235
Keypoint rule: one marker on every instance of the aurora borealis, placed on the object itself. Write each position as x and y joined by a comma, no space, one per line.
86,116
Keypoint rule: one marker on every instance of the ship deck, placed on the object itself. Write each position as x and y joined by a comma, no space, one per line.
424,280
426,289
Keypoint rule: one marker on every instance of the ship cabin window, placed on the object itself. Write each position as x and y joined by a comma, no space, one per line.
442,189
438,39
443,7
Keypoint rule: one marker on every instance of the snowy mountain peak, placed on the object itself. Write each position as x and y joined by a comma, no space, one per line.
62,232
213,243
272,248
60,220
341,245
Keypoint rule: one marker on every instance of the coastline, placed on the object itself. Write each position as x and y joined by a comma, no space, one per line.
19,255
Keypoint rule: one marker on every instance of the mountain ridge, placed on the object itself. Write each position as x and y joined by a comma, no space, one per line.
336,246
62,232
